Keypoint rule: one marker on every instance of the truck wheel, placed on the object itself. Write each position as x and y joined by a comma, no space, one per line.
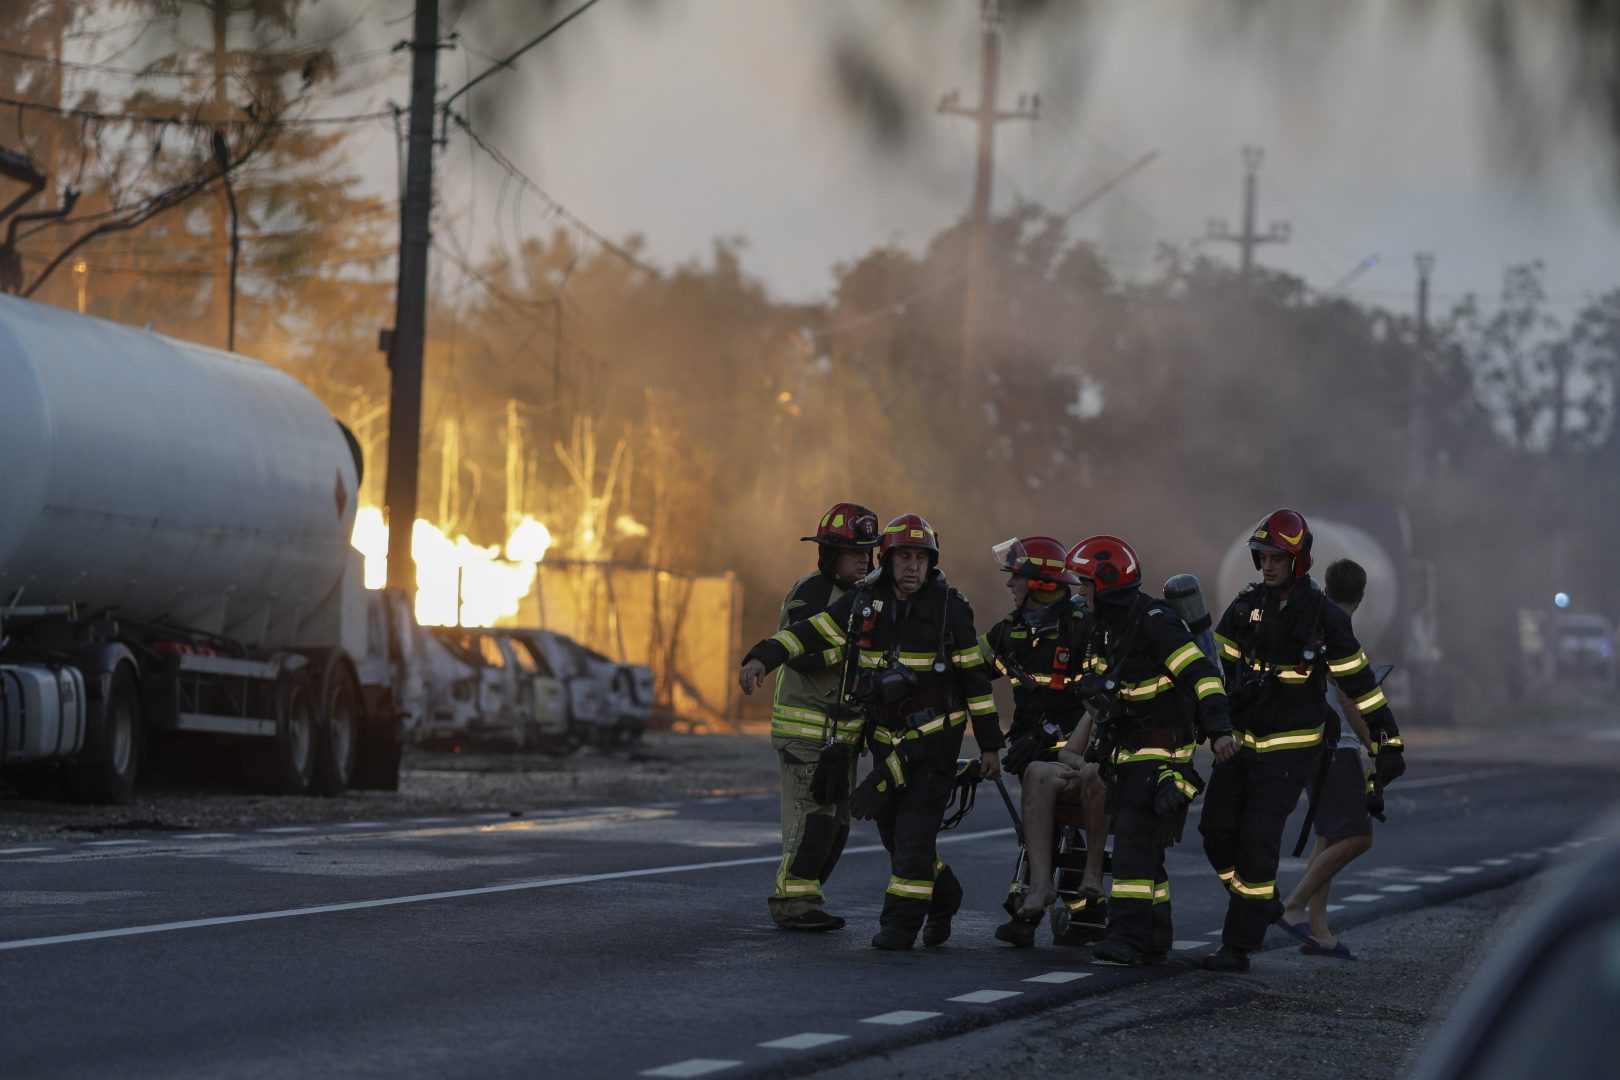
338,729
286,765
112,744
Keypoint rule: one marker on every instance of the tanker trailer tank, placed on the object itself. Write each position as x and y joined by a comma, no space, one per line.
175,521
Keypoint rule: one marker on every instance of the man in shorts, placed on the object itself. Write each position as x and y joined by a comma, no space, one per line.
1343,826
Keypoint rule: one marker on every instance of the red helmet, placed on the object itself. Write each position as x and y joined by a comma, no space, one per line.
1039,558
1108,562
846,525
909,530
1284,532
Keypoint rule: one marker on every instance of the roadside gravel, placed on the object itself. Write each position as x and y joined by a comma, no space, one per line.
663,766
1293,1016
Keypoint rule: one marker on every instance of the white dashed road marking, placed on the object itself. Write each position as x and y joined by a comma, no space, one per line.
1335,907
1462,870
1399,888
1183,946
1362,898
114,843
985,997
362,825
1497,862
807,1041
692,1067
289,829
204,836
899,1017
1059,977
21,850
1433,879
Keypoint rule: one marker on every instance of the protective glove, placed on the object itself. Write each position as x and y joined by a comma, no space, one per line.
1025,749
1375,796
869,796
829,784
1175,793
1389,764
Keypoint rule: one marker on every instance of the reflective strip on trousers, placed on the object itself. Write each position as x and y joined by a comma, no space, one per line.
1132,889
1264,890
910,890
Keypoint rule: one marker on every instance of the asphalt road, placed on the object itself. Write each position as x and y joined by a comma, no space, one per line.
610,941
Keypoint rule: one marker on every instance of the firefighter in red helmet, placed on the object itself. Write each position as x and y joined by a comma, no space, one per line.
1156,694
912,665
1039,646
814,738
1280,640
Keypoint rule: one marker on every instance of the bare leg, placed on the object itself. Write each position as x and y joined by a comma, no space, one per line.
1041,782
1313,888
1294,905
1095,794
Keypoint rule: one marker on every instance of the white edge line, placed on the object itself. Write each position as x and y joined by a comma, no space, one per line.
450,894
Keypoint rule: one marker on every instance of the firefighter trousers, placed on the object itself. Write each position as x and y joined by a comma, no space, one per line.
1139,898
813,834
1246,807
920,884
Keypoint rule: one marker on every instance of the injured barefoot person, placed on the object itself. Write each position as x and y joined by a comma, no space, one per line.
1072,788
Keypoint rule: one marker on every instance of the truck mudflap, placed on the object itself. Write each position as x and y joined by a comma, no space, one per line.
378,751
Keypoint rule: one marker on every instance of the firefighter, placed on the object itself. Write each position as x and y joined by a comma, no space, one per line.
1156,695
1039,646
808,725
915,668
1280,640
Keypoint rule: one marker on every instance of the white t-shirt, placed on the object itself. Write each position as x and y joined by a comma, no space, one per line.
1348,739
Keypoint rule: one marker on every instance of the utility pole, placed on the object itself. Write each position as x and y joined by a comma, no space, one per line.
405,341
1248,239
1419,424
219,305
985,115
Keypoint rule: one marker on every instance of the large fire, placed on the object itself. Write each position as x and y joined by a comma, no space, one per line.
457,574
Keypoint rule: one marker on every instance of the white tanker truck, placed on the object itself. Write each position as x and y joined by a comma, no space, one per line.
175,563
1396,623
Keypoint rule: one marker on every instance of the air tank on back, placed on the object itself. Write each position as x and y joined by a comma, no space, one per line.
1334,540
169,481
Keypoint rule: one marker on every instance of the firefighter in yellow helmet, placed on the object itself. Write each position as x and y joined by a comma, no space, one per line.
814,735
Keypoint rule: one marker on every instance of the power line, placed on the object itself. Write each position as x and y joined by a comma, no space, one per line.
558,208
502,65
187,121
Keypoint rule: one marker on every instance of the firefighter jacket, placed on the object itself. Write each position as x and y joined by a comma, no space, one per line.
931,636
1049,646
1279,651
1164,688
807,685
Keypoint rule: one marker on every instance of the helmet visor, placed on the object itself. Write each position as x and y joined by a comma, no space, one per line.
1011,556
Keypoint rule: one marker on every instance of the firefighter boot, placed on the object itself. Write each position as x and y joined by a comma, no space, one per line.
1122,953
814,920
1018,932
947,901
892,940
1227,959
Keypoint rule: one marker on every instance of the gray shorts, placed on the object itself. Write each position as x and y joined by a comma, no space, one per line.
1341,809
